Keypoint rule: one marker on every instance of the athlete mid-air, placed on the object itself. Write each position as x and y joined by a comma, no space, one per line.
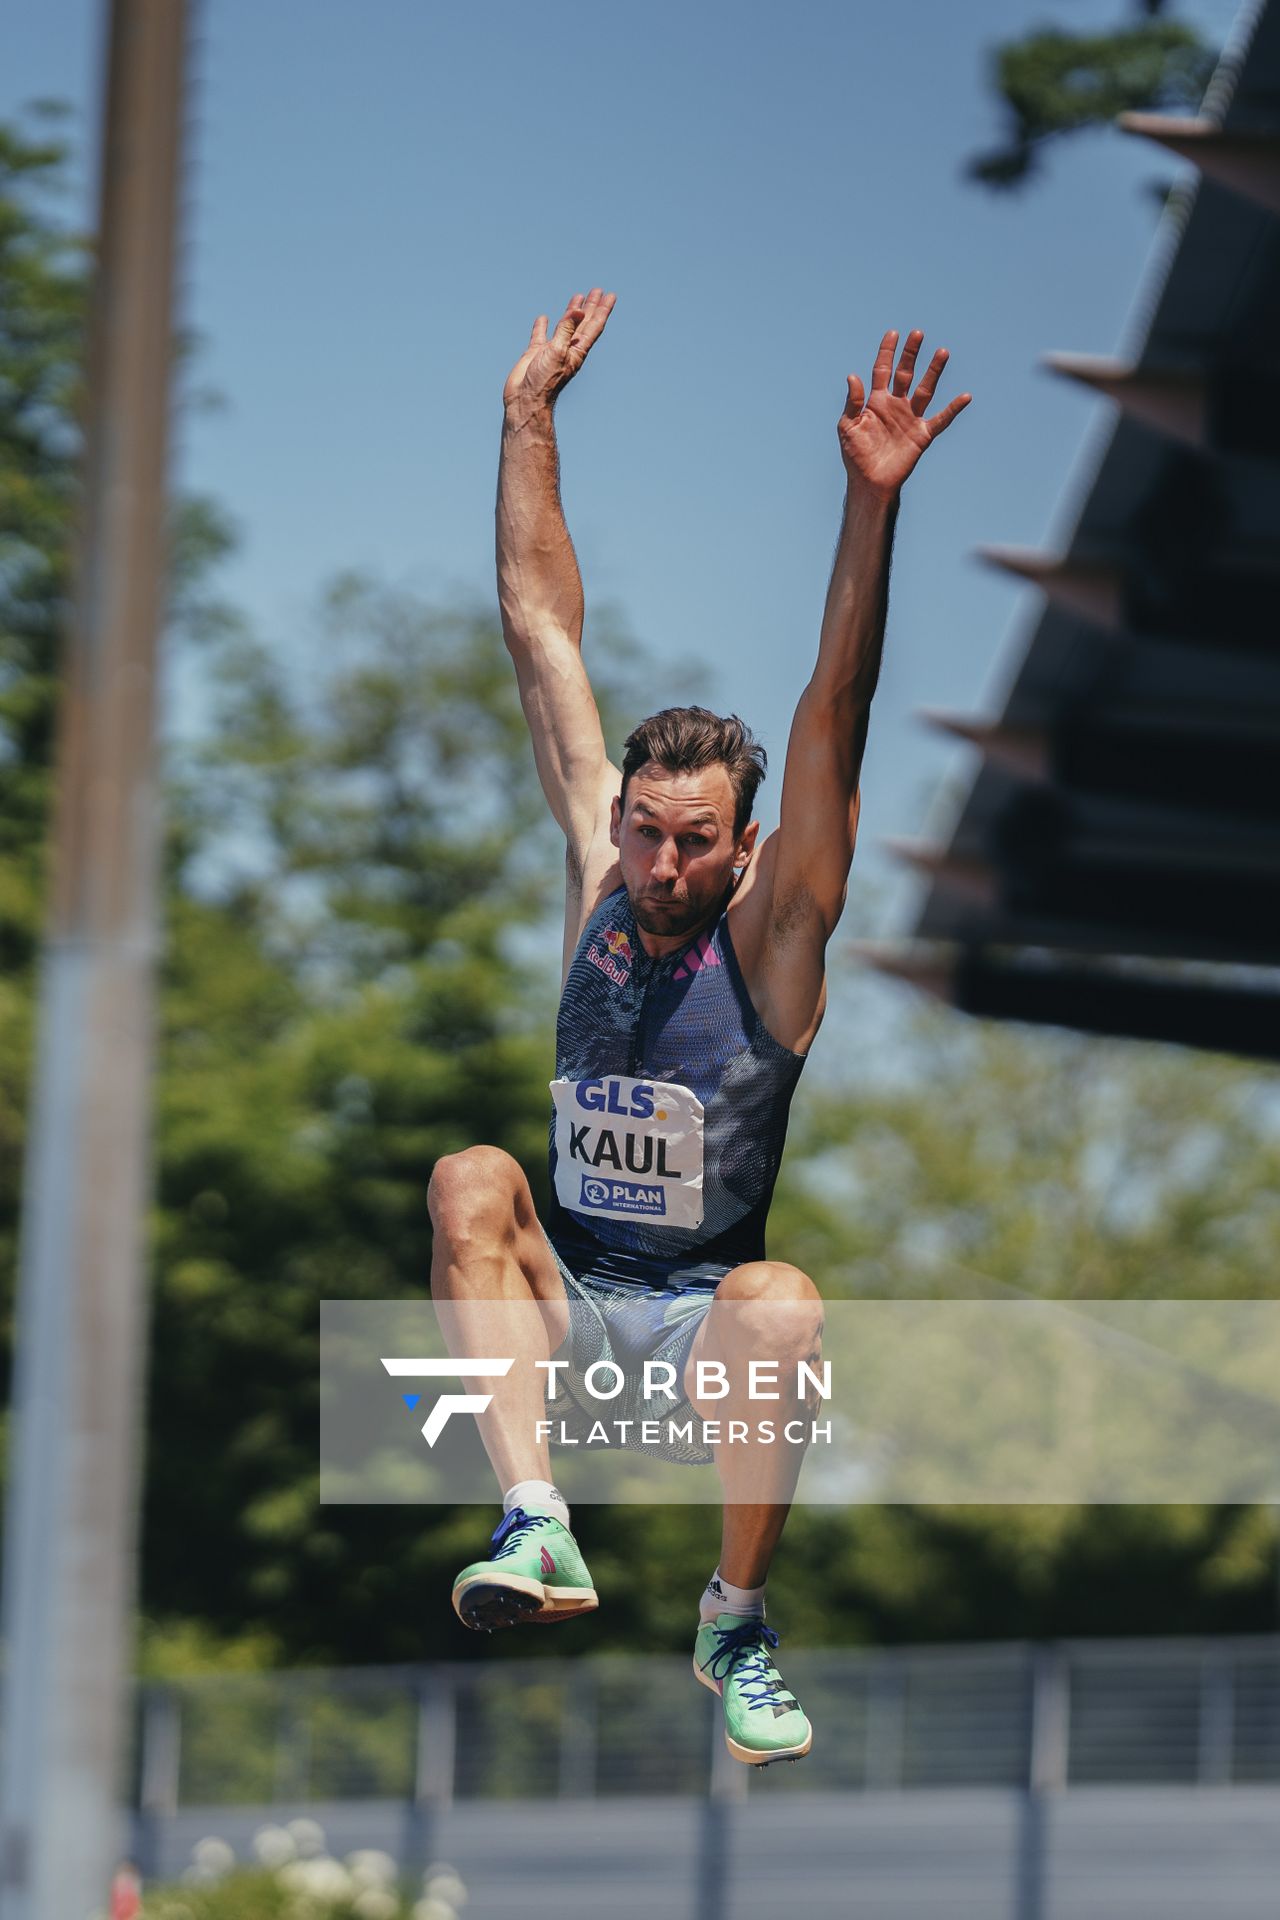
694,984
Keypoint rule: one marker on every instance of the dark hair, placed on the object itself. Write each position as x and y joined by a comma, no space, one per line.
686,739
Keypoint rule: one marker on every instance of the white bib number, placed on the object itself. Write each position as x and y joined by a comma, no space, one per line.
629,1150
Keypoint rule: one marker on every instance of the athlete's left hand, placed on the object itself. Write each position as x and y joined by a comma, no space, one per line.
883,434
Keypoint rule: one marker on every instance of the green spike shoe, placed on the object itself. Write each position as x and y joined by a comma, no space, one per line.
763,1721
536,1573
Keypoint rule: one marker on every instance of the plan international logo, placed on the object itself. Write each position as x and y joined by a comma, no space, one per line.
623,1196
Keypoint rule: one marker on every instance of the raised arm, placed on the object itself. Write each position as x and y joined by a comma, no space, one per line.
882,435
539,586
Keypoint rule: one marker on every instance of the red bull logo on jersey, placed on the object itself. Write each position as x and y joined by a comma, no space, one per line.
615,959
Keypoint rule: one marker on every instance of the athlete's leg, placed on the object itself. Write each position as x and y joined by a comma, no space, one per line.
772,1312
762,1311
489,1250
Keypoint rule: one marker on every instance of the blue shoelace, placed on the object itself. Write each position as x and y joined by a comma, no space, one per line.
744,1650
506,1535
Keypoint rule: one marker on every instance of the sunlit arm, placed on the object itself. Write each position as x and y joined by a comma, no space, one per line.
882,436
539,585
541,601
820,796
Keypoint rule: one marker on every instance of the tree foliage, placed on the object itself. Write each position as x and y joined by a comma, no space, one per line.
1053,82
42,306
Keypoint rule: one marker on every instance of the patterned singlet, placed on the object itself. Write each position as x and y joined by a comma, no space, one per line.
670,1106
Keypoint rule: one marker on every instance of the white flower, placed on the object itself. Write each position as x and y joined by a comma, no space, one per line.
372,1868
213,1856
444,1883
322,1878
274,1846
433,1909
308,1837
375,1903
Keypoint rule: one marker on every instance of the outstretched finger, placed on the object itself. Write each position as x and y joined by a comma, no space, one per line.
568,322
929,380
599,305
539,333
884,361
941,421
907,364
857,398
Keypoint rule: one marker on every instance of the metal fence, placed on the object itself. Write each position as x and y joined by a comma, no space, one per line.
1081,1713
993,1745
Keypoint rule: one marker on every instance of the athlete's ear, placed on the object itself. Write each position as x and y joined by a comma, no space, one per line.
746,844
615,818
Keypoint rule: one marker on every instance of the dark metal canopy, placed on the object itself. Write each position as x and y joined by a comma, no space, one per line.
1116,864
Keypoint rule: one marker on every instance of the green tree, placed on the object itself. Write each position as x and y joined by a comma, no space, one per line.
1002,1163
1053,82
41,317
341,1005
43,307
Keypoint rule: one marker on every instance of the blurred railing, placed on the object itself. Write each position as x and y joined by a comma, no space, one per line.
1069,1714
1003,1782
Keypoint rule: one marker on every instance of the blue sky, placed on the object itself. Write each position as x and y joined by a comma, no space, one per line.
381,198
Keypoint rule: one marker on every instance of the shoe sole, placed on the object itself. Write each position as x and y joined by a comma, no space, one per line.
484,1604
750,1756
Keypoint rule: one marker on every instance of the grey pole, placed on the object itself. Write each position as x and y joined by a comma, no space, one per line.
726,1788
81,1319
435,1766
1048,1761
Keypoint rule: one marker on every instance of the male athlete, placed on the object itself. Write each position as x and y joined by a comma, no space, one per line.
694,965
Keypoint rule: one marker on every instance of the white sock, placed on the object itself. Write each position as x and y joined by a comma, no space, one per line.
721,1596
540,1494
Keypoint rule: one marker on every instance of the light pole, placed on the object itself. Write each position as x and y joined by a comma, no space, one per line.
79,1370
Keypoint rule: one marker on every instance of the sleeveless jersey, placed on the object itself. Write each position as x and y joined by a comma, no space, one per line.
670,1106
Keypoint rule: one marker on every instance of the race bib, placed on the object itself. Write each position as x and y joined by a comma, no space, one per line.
629,1150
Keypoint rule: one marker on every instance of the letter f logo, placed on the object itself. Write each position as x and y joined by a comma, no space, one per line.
448,1403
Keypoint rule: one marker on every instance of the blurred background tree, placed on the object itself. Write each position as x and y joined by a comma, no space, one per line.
1054,81
361,898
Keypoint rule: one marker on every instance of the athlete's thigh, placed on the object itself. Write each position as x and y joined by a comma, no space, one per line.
534,1251
706,1345
509,1214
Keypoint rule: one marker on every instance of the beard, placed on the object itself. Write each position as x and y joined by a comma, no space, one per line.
667,917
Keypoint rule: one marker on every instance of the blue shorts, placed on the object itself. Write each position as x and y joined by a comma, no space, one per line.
627,1323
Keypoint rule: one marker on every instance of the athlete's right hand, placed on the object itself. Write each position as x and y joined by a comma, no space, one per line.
547,365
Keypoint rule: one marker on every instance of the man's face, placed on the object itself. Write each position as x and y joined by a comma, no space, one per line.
676,845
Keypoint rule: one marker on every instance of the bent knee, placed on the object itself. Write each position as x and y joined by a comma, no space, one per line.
776,1309
770,1280
478,1184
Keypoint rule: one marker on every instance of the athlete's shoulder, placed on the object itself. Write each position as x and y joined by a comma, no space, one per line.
749,905
781,950
612,904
